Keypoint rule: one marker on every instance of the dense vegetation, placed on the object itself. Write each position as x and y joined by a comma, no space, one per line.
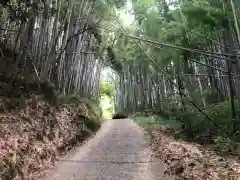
176,59
180,60
107,92
50,64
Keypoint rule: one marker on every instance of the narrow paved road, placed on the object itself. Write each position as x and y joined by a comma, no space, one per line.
119,151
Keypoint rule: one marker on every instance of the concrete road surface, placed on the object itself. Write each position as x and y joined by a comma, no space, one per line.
118,151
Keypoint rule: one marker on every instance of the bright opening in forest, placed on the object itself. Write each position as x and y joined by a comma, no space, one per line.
107,92
171,66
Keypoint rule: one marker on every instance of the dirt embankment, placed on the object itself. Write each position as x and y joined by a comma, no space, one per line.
192,161
31,139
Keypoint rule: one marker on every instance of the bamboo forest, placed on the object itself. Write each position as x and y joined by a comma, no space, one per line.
177,60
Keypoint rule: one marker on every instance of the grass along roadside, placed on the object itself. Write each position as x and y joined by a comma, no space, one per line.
187,160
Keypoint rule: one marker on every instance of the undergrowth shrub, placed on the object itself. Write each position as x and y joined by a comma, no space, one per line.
86,108
189,124
227,145
150,120
119,115
196,127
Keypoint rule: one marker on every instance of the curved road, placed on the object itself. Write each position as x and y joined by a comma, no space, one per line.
119,151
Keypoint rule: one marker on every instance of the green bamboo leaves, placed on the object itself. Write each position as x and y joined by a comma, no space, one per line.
145,2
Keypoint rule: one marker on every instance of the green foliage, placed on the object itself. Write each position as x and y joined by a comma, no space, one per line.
115,64
154,21
193,126
115,3
189,124
196,126
50,93
203,13
227,145
180,30
107,89
96,32
76,100
200,129
144,2
107,92
149,120
89,108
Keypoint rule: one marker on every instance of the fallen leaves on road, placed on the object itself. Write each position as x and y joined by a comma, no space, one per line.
192,161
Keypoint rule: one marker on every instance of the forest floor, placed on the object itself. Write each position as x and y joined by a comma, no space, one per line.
119,151
189,160
33,138
30,142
